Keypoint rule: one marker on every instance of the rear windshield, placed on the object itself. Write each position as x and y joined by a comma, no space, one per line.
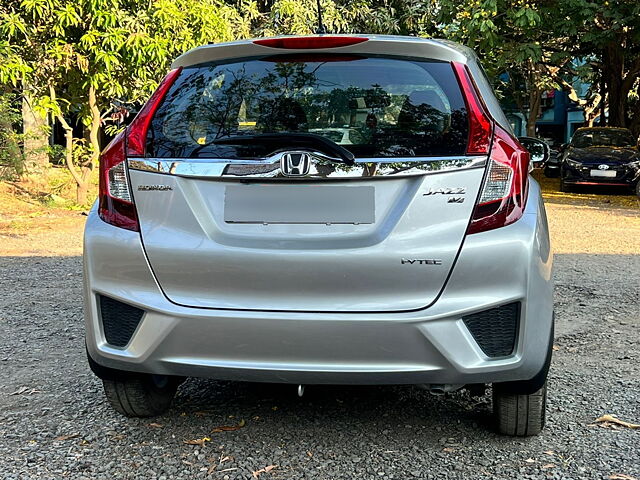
371,106
603,138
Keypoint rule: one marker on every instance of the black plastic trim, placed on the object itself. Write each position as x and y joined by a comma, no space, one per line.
527,387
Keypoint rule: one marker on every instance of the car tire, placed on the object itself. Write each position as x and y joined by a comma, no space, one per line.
141,395
519,415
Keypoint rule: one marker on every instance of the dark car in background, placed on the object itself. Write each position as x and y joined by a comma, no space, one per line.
598,156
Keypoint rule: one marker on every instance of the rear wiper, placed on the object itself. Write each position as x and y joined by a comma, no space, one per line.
292,139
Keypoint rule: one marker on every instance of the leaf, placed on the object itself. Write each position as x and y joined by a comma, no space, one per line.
530,460
549,465
549,452
610,420
621,476
266,469
198,441
225,428
229,428
62,438
155,425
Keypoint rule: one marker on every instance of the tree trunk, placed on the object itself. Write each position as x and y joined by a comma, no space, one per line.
81,193
94,141
614,61
35,127
634,125
603,95
591,111
68,150
535,98
81,177
94,130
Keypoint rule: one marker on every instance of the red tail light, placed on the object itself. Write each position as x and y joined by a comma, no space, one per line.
115,202
309,43
116,205
480,124
137,131
504,191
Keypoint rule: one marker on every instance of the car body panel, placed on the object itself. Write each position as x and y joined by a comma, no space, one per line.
423,346
200,259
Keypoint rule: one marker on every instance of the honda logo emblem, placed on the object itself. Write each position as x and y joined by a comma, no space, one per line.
295,164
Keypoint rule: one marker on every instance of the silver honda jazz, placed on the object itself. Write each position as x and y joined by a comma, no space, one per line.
321,210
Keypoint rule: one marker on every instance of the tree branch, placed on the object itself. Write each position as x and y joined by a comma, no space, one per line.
69,139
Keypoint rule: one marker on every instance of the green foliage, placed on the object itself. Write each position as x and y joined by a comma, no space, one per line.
119,48
11,157
85,58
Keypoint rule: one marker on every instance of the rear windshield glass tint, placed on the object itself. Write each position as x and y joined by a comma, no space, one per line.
372,106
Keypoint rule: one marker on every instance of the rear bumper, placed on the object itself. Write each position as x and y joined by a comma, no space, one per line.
430,346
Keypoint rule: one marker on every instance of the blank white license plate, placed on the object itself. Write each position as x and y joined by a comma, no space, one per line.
603,173
279,203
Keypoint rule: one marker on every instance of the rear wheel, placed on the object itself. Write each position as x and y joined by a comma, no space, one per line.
141,395
519,415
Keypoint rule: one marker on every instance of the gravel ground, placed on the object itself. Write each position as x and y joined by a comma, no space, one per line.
55,423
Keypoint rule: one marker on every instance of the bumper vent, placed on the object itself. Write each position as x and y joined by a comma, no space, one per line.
495,330
119,320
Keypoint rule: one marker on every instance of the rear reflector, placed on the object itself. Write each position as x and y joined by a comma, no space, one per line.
309,43
480,124
137,131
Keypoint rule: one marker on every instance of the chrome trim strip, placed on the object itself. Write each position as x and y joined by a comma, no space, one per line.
324,167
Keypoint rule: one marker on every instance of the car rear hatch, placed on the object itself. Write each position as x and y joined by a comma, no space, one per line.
242,206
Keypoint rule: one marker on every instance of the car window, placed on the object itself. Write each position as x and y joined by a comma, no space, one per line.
603,138
372,106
